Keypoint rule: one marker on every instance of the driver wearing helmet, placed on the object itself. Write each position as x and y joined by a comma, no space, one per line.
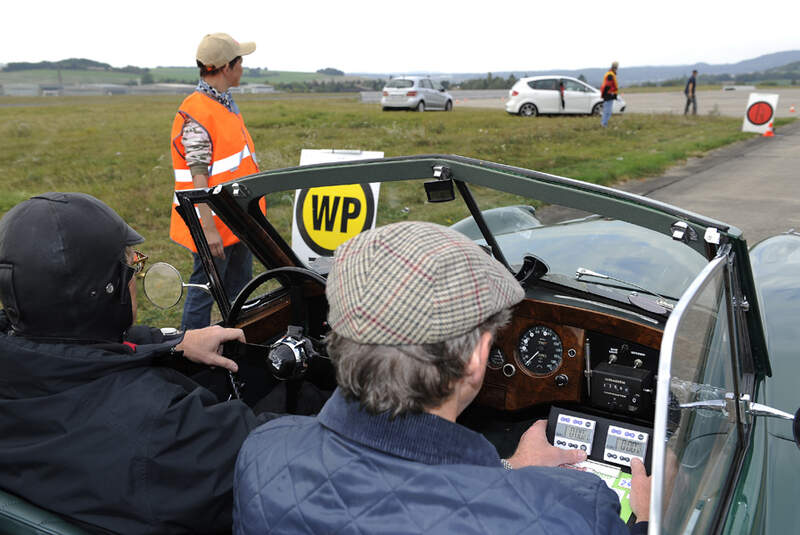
94,426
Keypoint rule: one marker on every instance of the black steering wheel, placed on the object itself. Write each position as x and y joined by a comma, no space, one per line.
290,276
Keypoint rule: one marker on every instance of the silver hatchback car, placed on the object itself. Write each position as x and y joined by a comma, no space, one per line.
415,93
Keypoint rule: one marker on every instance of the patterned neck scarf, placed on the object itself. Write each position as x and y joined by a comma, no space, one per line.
226,99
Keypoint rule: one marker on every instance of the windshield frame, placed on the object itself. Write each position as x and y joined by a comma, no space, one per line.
236,203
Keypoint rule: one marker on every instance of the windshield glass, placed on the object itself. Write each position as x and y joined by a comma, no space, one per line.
400,83
701,437
563,238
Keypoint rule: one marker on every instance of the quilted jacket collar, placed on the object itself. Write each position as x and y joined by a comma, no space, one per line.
424,437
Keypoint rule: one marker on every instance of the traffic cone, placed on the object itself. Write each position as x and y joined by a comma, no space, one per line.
791,109
769,132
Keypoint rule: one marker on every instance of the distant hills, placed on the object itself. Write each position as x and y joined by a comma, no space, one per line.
777,66
631,75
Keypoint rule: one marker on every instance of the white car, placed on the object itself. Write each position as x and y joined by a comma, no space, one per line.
417,93
543,95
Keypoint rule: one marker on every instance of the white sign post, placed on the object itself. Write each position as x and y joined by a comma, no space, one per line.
760,113
325,217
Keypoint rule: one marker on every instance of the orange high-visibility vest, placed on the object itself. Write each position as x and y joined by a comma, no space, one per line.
231,157
612,84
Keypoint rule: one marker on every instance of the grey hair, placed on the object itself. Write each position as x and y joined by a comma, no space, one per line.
405,378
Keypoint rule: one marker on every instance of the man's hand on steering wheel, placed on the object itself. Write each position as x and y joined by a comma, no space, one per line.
204,346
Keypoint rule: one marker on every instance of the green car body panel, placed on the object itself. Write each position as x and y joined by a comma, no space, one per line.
766,499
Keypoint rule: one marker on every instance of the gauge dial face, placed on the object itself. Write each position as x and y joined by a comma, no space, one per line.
496,358
540,350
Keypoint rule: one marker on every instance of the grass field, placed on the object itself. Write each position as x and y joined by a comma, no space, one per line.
117,148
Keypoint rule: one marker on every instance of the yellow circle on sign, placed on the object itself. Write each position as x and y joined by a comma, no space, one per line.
334,214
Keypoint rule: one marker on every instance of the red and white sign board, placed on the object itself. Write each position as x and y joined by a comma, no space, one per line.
760,112
325,217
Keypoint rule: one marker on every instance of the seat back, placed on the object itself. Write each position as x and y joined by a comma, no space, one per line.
20,517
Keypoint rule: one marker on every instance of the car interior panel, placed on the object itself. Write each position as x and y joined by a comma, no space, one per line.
587,348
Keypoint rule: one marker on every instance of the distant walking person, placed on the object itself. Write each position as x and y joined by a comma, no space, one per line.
690,92
609,90
211,145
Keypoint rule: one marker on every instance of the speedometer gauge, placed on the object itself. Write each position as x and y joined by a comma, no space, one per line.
540,350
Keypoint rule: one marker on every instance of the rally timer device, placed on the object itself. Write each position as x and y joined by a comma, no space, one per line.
602,439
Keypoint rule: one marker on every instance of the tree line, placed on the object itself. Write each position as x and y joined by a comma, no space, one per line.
490,82
789,72
73,64
329,86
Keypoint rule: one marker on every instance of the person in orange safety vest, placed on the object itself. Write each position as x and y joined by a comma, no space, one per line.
609,90
211,145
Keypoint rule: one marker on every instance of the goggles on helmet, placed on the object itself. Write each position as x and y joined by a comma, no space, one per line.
137,263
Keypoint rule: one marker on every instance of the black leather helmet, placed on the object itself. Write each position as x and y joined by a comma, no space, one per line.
63,273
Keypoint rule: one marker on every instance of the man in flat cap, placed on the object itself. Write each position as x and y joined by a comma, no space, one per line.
413,311
211,145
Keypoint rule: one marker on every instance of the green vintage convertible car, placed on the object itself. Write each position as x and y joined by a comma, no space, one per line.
647,331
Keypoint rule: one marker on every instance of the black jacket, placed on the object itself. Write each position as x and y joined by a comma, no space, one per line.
112,439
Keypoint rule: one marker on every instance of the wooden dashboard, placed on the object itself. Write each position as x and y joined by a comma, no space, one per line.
505,390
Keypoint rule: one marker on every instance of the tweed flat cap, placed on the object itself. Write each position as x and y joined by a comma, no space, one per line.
414,283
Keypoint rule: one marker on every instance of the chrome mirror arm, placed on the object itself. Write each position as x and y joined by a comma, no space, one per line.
757,409
204,287
714,404
748,407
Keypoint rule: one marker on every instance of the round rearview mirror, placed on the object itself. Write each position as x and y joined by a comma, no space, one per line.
163,285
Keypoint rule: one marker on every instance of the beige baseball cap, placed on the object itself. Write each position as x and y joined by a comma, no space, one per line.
217,49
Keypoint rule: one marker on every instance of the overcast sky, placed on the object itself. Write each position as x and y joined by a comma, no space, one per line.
396,36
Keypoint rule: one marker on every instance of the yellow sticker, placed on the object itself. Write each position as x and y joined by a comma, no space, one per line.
329,216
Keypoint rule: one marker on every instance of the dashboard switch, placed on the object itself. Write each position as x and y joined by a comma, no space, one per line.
562,380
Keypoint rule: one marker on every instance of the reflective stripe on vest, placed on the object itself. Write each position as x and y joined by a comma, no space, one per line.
231,157
231,163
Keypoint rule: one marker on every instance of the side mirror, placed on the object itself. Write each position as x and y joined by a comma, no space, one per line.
796,428
163,285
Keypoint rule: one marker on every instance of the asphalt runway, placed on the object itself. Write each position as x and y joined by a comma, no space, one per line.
728,103
753,185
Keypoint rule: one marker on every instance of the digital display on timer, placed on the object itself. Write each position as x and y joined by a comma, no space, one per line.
574,432
624,445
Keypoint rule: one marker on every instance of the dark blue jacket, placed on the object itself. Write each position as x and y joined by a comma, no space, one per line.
114,441
346,471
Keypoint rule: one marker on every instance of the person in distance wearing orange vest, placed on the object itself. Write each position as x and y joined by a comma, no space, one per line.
211,145
609,90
